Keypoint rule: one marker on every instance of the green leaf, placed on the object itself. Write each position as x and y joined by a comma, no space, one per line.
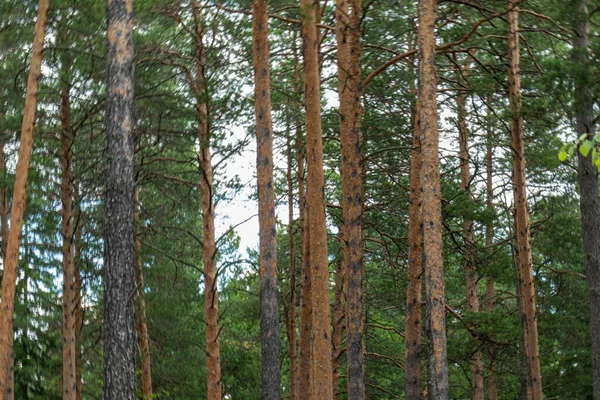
562,155
585,147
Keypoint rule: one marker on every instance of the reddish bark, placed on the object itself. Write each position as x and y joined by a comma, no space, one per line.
9,279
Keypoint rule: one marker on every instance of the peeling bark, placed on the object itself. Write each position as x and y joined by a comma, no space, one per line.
9,280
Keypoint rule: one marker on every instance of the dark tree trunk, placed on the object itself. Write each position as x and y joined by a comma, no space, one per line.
291,315
9,279
588,180
431,206
269,308
524,259
119,248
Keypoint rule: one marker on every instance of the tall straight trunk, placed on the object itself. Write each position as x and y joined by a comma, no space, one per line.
338,320
588,180
348,35
414,271
318,260
69,384
431,206
291,317
477,389
269,308
305,328
9,280
142,326
119,243
209,248
492,380
78,306
524,259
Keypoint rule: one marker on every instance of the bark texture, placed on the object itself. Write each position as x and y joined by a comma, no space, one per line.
431,206
291,316
348,33
209,248
524,261
588,180
142,326
9,279
414,272
119,244
69,384
269,307
318,259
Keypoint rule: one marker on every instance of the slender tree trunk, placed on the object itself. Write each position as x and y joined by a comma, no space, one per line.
588,180
78,307
524,260
9,280
321,336
348,34
432,209
304,342
338,320
412,365
69,385
492,381
119,245
291,317
477,389
269,308
209,249
142,326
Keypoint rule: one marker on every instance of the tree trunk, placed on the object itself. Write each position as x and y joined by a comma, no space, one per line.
304,345
524,260
588,181
119,246
9,280
269,308
432,209
69,385
338,320
209,249
78,307
142,326
291,316
477,389
319,264
492,381
412,366
348,34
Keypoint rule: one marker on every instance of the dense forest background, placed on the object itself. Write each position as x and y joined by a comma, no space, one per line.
480,239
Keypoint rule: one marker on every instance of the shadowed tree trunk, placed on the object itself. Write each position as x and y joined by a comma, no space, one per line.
9,279
492,381
119,243
412,365
291,316
209,249
523,247
431,206
305,328
588,180
69,385
477,389
142,326
318,260
269,308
